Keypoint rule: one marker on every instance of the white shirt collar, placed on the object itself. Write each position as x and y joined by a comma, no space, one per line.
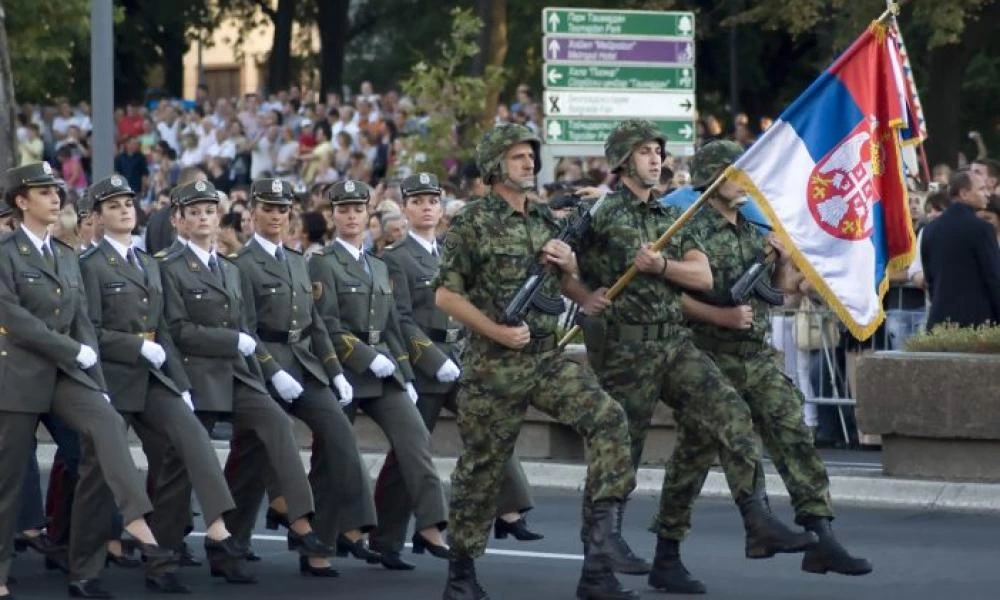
268,246
38,242
182,239
354,250
430,247
202,255
122,250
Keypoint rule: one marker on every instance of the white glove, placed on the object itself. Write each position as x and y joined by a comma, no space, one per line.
107,398
154,353
186,397
246,344
448,372
287,387
344,389
86,357
382,366
411,392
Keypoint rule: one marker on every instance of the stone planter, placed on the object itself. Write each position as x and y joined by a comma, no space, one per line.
938,413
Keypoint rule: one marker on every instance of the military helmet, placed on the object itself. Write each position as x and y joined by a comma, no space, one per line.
349,191
626,136
271,191
420,183
711,159
496,142
107,188
191,193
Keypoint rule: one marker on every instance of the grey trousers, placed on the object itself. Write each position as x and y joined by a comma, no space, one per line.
105,458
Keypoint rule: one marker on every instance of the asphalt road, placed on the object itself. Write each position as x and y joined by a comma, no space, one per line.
918,555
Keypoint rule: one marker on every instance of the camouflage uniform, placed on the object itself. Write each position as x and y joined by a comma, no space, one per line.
641,350
488,251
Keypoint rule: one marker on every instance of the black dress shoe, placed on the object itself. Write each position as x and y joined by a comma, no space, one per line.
187,556
57,561
227,548
233,570
518,529
88,588
39,543
122,561
167,583
306,569
391,560
309,545
358,549
274,518
252,556
420,544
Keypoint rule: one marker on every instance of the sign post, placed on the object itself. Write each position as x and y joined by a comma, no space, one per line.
604,66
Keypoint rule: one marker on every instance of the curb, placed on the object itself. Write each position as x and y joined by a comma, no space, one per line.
873,490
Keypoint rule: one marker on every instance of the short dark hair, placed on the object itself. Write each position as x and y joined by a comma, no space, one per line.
992,166
314,226
325,127
939,201
232,221
959,182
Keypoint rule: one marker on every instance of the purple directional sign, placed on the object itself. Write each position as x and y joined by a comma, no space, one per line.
595,49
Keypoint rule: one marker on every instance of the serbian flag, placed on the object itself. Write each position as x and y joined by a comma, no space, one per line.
829,176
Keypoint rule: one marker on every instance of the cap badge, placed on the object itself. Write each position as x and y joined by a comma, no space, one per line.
425,179
276,186
116,181
200,186
47,167
349,186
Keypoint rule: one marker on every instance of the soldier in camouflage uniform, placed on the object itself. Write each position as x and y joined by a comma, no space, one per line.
489,249
734,337
643,354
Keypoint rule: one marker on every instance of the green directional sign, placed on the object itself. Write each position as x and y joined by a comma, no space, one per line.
615,22
595,131
612,77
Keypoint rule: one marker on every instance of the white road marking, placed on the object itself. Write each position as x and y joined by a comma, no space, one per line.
493,551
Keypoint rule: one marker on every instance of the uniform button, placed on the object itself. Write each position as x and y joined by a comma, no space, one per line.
294,322
295,307
293,294
3,353
226,306
58,290
58,311
145,299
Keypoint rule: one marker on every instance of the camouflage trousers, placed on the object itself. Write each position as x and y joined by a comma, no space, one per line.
776,406
498,385
674,371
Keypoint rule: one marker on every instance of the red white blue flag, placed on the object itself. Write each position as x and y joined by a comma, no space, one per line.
829,176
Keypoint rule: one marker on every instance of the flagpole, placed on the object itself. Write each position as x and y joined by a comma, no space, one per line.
656,246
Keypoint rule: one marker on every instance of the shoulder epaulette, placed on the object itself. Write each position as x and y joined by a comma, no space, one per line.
292,250
88,253
169,257
56,240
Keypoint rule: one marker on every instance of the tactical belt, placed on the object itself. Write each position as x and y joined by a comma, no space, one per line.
446,336
278,336
649,332
743,349
149,336
371,338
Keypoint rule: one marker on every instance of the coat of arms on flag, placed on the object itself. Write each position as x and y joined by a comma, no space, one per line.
829,176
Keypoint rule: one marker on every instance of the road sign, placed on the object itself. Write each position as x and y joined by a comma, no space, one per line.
595,131
602,50
611,77
618,22
619,104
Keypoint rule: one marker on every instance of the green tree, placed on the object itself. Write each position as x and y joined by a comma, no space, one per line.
42,37
452,99
8,127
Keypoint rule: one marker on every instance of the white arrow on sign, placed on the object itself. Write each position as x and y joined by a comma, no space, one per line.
554,21
684,25
554,48
686,132
555,76
554,130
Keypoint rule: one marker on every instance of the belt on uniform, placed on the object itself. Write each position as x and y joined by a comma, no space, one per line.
648,332
149,336
371,337
282,336
446,336
746,348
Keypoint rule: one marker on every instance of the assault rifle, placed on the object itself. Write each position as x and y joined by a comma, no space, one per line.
529,294
753,281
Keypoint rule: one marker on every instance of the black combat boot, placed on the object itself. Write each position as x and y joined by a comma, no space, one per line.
669,574
829,555
766,535
597,581
462,584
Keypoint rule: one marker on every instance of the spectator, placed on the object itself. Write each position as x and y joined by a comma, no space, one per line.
989,170
288,153
32,148
292,237
168,126
991,214
358,169
342,151
192,153
393,227
131,164
450,210
264,152
313,233
934,205
229,241
313,160
961,260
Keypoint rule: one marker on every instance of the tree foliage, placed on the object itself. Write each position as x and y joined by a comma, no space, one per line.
42,37
452,99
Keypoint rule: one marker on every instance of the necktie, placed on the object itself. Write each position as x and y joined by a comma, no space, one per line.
133,260
213,266
434,251
279,254
47,255
364,263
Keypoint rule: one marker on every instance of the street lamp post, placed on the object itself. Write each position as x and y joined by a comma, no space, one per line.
102,88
